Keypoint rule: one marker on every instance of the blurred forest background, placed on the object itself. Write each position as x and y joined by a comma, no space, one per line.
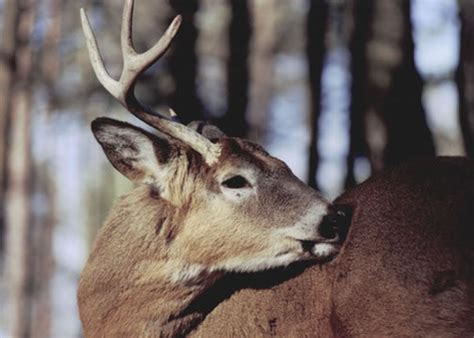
338,89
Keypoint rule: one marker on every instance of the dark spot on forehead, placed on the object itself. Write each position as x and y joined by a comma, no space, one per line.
243,150
253,147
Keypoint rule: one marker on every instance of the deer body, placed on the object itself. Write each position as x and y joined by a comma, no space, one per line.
407,268
206,205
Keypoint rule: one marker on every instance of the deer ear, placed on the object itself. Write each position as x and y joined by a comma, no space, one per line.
137,154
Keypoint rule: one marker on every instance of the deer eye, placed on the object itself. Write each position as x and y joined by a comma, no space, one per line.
236,182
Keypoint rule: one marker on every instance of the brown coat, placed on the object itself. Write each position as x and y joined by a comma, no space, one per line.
407,268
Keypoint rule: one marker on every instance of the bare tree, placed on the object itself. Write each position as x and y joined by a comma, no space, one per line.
183,64
261,65
234,122
408,133
42,258
7,67
360,17
315,50
465,74
50,57
45,216
396,128
17,198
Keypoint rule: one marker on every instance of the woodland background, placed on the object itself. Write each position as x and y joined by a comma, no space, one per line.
339,89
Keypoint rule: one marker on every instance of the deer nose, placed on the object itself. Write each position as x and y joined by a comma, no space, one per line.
335,224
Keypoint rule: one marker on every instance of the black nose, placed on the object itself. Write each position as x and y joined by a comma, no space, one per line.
335,224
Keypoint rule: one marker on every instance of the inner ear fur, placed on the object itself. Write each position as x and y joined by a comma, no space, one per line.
134,152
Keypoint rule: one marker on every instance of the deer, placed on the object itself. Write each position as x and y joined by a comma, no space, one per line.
405,269
205,205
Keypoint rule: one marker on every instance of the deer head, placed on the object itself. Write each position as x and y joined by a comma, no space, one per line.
230,205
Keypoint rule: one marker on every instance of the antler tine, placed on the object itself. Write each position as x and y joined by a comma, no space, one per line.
135,64
126,39
96,58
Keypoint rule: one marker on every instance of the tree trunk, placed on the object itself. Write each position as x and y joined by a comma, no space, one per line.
360,16
261,65
42,260
7,68
465,75
50,56
183,64
395,118
17,198
315,50
234,122
45,216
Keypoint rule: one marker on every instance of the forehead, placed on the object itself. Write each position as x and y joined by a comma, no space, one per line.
237,152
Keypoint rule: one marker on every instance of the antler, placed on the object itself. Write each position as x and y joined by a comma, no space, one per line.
135,64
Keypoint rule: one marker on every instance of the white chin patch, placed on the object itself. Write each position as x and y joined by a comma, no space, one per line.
322,250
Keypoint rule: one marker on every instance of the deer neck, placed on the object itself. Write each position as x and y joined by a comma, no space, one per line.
156,304
133,285
169,301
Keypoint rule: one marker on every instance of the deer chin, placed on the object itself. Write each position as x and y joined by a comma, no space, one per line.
298,251
257,264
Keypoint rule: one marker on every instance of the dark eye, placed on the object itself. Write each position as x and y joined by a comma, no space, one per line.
236,182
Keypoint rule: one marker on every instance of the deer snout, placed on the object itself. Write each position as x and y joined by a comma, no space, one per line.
332,231
335,224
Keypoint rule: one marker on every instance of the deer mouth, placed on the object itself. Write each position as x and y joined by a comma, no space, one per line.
318,250
307,245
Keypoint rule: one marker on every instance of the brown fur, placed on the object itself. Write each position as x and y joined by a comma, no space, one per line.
407,268
178,232
206,207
